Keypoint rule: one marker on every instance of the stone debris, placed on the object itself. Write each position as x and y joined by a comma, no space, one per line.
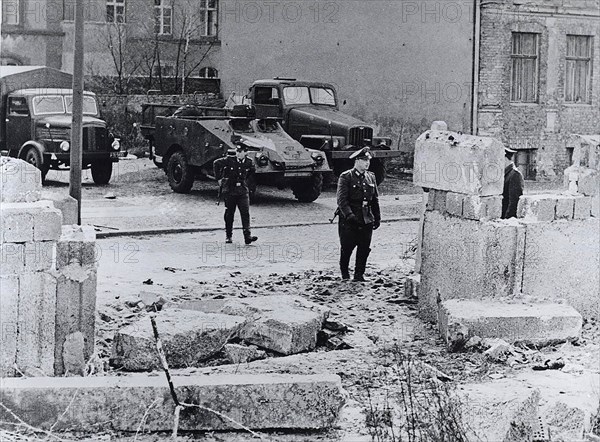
118,403
188,338
240,354
498,349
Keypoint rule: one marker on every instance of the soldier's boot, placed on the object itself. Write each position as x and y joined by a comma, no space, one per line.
228,238
344,264
361,265
248,238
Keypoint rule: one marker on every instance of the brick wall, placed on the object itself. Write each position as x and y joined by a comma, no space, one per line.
545,125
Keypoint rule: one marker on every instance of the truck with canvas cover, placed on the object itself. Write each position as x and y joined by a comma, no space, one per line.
35,122
187,142
310,113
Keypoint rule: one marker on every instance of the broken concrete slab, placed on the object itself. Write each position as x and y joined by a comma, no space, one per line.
282,323
67,206
566,423
259,402
459,163
77,245
241,354
502,410
538,324
188,338
19,181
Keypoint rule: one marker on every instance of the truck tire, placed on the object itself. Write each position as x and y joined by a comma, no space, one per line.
180,174
378,167
35,158
307,191
101,172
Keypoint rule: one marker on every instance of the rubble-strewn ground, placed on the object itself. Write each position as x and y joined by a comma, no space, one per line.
303,261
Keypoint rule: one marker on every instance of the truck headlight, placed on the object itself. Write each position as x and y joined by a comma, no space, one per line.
64,146
262,160
116,145
318,158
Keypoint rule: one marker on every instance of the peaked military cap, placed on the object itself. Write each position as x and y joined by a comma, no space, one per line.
509,150
362,154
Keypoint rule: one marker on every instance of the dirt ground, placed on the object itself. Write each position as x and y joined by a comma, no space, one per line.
303,261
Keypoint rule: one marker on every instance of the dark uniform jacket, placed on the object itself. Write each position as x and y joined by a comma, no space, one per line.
234,174
513,189
358,194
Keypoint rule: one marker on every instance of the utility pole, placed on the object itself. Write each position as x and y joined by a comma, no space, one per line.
77,132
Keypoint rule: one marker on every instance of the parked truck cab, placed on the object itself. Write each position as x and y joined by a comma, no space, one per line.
36,113
309,112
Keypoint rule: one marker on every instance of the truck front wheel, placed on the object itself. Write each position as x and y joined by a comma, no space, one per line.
34,157
307,191
180,174
101,172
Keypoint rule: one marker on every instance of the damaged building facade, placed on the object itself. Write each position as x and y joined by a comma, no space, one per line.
525,71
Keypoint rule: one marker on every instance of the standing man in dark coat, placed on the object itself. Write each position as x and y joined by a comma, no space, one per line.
358,205
513,186
232,173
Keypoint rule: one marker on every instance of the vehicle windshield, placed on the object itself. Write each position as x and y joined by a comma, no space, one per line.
241,125
309,95
60,104
268,125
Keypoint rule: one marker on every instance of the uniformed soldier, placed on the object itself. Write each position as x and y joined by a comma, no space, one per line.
513,185
232,173
358,205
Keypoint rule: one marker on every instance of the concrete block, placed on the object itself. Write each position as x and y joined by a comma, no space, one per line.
583,207
75,310
281,323
537,207
47,225
36,323
503,410
561,261
467,258
241,354
188,338
538,324
16,226
110,403
493,207
12,258
19,181
565,206
77,245
73,354
9,301
67,206
587,180
454,203
459,163
481,208
596,206
438,199
40,256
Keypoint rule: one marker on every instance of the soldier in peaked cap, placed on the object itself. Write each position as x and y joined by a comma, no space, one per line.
513,185
358,205
232,171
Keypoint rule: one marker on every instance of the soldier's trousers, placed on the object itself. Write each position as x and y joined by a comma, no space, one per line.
353,236
241,202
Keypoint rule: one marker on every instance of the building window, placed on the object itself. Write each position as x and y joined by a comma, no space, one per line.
10,12
115,11
209,73
208,11
164,70
579,69
163,17
524,73
525,160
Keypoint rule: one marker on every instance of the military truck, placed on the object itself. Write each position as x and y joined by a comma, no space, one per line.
310,113
35,122
186,143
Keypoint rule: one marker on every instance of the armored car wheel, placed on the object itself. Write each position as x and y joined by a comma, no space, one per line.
307,191
101,172
180,174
